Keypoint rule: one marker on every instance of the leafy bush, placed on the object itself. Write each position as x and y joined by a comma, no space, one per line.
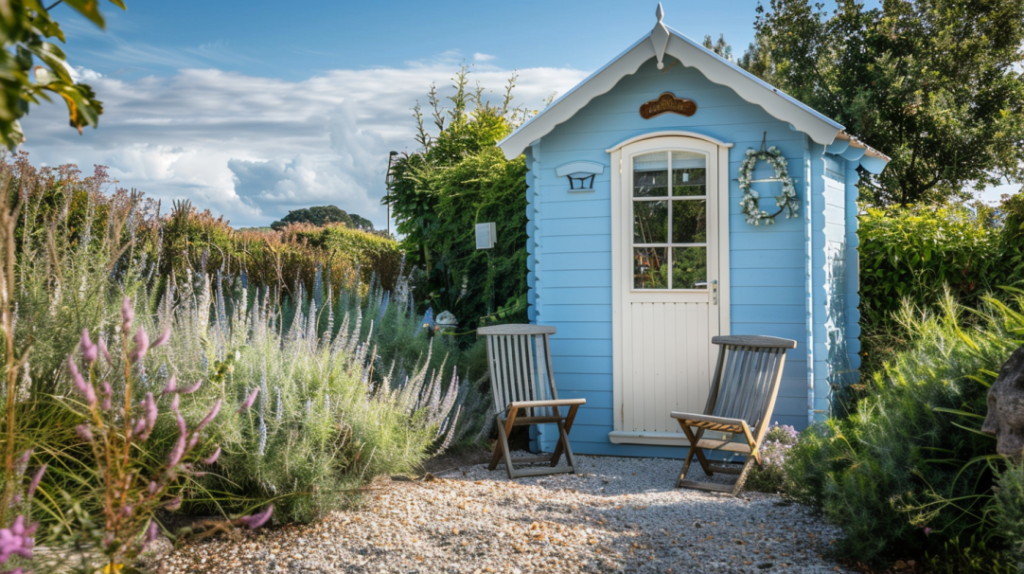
1008,509
771,476
907,473
457,180
910,254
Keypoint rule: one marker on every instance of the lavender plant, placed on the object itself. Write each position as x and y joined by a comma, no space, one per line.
117,424
771,476
319,423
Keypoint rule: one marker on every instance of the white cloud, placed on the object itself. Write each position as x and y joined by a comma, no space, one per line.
253,148
481,57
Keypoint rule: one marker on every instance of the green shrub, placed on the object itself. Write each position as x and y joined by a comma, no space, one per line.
907,473
1008,509
457,180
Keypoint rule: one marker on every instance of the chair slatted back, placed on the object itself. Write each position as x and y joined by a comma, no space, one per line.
747,377
519,358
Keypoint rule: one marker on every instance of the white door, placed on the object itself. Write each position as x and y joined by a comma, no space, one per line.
670,210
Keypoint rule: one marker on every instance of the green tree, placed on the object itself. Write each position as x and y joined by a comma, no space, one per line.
457,179
721,47
935,84
32,68
322,215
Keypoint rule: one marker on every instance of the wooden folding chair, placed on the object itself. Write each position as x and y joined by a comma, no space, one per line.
739,407
522,382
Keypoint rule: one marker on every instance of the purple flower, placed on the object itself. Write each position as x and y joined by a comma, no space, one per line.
16,540
247,404
32,486
174,504
927,530
153,487
256,520
104,351
151,531
107,393
174,403
150,413
172,385
84,432
89,351
127,315
209,416
163,338
212,458
179,447
141,345
80,384
192,389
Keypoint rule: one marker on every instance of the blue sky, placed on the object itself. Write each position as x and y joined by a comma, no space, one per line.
252,108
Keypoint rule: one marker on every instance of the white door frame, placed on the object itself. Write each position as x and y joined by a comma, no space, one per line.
621,207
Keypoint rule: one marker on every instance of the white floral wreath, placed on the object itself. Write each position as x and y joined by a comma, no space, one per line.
786,201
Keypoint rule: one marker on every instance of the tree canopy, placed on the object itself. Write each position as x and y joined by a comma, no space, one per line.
322,215
32,68
935,84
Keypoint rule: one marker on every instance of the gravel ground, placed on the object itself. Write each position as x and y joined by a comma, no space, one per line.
617,515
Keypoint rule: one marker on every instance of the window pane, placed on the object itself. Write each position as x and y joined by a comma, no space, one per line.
650,174
689,221
690,181
650,268
650,222
688,173
690,268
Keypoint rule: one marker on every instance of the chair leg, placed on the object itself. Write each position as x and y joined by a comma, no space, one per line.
569,458
742,478
568,426
498,449
503,434
686,466
704,464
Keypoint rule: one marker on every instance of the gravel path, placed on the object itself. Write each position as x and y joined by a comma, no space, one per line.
618,515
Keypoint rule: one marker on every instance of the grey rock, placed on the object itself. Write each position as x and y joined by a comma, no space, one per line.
1005,417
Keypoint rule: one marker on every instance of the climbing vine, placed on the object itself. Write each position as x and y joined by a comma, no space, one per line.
786,201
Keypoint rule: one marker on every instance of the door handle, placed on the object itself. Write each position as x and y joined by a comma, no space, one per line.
714,292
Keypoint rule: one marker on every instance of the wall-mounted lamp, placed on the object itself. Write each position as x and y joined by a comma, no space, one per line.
581,174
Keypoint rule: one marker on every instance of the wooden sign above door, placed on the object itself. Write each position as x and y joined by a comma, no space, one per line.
668,102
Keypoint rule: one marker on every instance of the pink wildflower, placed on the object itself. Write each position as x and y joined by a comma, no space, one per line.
212,458
141,345
209,416
16,540
105,352
174,504
89,351
172,386
192,389
247,404
256,520
32,486
151,531
84,432
162,339
127,315
80,383
107,393
150,412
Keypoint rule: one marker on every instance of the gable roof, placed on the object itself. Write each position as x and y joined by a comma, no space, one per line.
663,41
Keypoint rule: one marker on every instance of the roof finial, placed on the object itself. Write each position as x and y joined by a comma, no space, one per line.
660,12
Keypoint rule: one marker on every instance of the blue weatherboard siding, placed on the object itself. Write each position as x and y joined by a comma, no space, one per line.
569,247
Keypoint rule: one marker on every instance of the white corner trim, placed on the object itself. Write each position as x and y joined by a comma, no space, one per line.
668,133
572,167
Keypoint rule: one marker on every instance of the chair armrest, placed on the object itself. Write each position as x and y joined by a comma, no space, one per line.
551,403
705,418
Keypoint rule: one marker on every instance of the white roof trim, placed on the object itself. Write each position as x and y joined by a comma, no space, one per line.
668,133
820,128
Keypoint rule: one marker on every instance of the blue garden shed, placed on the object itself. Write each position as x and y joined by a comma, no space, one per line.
652,190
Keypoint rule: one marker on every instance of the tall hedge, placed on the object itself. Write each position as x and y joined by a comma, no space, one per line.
458,179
